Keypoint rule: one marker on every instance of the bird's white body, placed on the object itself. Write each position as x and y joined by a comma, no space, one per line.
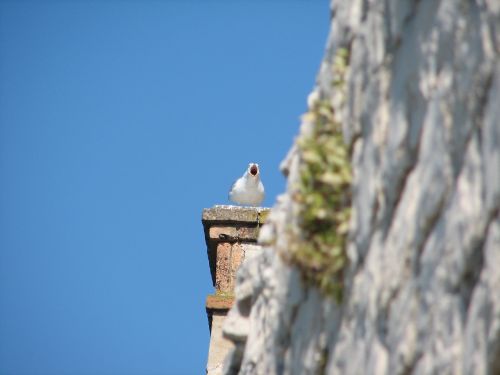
248,189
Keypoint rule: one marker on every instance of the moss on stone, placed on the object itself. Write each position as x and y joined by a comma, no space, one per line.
263,216
224,295
323,195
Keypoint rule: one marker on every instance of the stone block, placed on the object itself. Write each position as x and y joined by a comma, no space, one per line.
223,270
219,346
233,233
250,250
237,257
234,214
218,302
229,258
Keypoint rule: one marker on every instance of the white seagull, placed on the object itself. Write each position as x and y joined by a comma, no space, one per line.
248,189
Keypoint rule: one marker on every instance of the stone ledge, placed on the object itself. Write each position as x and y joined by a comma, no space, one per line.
233,233
217,302
235,214
230,224
231,236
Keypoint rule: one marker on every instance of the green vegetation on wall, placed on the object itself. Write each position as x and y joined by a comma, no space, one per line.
323,195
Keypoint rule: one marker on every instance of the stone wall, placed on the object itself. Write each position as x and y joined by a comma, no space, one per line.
231,235
419,105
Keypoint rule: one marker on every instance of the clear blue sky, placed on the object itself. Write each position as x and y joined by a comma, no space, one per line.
119,122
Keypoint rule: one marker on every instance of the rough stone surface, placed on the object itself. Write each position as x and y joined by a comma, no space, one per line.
231,235
224,281
250,250
240,214
219,346
218,233
218,302
421,113
229,225
229,258
237,257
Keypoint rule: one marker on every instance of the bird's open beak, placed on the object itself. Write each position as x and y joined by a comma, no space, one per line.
254,170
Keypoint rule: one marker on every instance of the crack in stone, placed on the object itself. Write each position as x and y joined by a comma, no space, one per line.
431,222
474,264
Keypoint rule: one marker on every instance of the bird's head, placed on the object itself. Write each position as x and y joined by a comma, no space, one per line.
253,170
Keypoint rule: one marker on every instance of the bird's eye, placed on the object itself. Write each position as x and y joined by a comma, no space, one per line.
253,170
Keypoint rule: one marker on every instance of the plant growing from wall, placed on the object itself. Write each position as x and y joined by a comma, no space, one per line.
323,195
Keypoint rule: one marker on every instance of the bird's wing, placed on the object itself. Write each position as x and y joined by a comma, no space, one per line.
232,188
238,183
233,185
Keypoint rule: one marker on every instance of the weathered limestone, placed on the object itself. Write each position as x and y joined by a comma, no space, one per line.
219,345
231,235
420,111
